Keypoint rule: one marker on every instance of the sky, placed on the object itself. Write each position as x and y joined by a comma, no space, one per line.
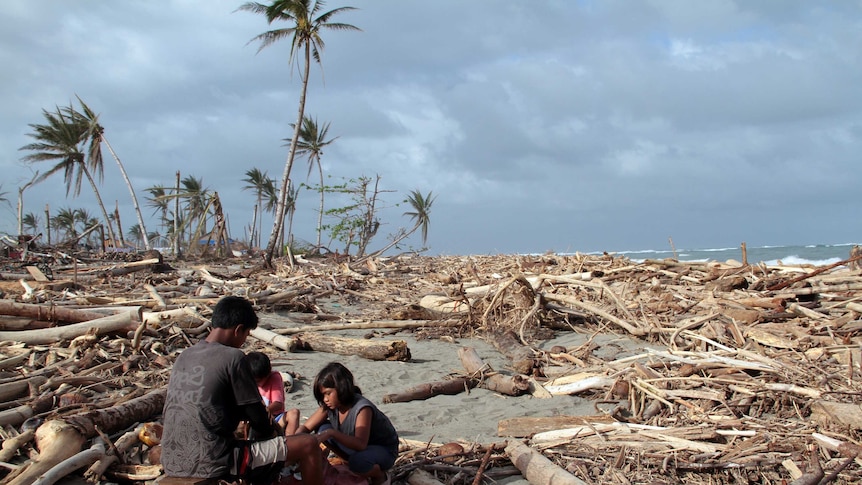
545,126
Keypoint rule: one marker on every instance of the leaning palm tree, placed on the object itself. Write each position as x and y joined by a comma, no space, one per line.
59,140
258,182
308,22
31,222
96,136
158,202
421,217
312,140
66,221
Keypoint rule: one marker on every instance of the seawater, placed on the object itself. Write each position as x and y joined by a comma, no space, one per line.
815,254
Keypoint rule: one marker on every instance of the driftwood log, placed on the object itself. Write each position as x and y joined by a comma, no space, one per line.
488,379
369,349
537,469
431,389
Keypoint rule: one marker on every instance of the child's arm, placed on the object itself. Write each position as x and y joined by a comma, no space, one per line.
314,421
357,442
276,383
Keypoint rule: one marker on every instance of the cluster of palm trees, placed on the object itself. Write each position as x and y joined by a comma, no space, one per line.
71,139
306,21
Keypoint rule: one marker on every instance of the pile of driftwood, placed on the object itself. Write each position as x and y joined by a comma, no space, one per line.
754,377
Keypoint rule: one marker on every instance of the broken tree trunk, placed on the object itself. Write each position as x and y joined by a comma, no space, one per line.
431,389
507,343
369,349
99,326
48,313
477,368
60,439
537,469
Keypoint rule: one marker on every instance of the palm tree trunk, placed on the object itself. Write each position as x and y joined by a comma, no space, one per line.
285,178
101,206
253,225
132,192
320,213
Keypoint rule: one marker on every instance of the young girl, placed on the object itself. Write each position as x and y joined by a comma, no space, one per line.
270,385
351,426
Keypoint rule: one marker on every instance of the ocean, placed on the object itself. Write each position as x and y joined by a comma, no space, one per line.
816,254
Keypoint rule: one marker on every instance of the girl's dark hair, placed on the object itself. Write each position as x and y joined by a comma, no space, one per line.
260,365
336,376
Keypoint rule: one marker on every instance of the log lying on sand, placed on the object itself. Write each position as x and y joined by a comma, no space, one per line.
431,389
476,367
369,349
537,469
527,426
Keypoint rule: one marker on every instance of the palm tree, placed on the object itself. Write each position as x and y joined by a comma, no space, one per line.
65,221
96,135
31,222
257,181
197,201
159,203
59,140
308,22
421,217
312,139
3,197
135,234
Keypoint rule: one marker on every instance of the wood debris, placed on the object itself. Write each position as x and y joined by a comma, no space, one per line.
752,372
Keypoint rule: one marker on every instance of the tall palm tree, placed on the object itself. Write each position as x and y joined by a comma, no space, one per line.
308,22
59,140
421,217
96,136
257,181
312,140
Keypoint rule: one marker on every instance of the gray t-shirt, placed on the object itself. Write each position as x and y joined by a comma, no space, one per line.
209,382
382,432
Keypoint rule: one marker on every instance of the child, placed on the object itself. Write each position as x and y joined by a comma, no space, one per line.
351,426
271,387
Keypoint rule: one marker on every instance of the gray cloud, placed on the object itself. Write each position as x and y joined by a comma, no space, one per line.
568,126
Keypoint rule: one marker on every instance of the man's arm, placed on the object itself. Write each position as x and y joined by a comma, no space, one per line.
259,419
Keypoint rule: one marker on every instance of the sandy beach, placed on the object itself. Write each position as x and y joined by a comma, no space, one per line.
469,416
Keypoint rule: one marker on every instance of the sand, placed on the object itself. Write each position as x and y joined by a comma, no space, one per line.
470,416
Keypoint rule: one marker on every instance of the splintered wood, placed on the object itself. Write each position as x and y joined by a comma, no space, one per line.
749,373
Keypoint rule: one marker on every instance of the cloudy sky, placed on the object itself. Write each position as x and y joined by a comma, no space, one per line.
538,126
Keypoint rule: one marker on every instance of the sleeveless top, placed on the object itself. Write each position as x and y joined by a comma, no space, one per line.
382,432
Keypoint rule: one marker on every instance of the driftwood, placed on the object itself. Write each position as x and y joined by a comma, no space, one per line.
61,439
49,313
369,349
488,379
527,426
114,323
431,389
537,469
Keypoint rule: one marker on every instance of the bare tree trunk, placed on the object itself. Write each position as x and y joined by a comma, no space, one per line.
132,192
101,205
431,389
288,166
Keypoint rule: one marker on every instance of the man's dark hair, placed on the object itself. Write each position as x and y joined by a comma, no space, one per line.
260,364
232,311
336,376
